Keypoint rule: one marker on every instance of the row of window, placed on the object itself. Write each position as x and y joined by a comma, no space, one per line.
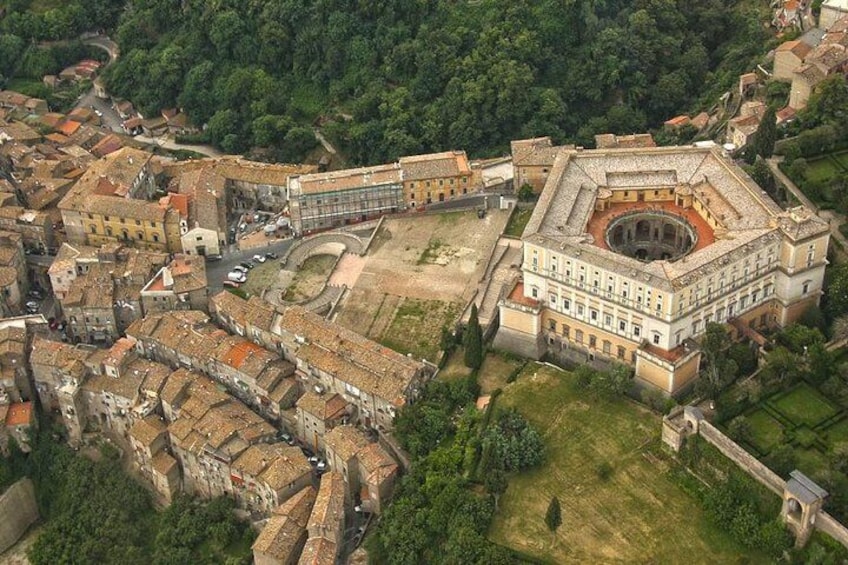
592,342
124,234
441,183
122,220
579,311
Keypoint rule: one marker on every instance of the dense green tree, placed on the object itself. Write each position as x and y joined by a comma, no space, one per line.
473,340
720,368
766,134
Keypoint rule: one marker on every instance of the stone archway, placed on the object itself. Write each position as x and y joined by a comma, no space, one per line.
802,500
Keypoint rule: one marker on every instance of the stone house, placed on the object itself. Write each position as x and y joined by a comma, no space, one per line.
265,476
375,380
788,57
532,160
435,177
327,517
317,414
19,423
282,538
13,274
14,370
179,285
368,470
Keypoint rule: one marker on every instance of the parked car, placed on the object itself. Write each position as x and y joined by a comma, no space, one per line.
247,264
211,258
321,466
240,269
271,255
32,306
259,258
35,294
231,284
236,276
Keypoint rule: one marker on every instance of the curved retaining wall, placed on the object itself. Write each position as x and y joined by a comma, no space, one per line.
18,511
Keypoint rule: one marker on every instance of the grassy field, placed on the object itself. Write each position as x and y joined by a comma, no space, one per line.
493,374
310,277
262,276
638,515
417,327
517,222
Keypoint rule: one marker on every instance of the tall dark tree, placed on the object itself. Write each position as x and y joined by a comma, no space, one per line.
553,517
473,341
496,484
766,134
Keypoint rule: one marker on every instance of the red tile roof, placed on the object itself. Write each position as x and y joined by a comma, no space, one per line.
19,414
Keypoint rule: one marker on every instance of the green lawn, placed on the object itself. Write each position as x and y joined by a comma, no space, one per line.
822,169
804,405
837,432
517,222
639,514
766,431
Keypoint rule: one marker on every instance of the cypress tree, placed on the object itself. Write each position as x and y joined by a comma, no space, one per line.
766,134
473,341
553,517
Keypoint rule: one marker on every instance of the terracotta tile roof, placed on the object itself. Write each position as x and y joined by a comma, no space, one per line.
350,357
326,407
796,47
163,463
345,441
677,121
280,538
328,511
19,414
68,128
375,463
19,131
299,506
347,179
148,430
435,165
318,551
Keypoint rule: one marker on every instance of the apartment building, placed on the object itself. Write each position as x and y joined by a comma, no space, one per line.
322,201
435,177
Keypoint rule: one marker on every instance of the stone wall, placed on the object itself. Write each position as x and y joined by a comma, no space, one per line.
745,460
19,511
829,525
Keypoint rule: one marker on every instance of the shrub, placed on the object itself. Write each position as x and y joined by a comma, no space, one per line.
604,471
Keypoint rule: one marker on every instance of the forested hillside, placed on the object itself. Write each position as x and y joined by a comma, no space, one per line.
403,76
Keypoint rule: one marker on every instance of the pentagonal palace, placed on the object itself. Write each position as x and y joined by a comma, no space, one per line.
630,253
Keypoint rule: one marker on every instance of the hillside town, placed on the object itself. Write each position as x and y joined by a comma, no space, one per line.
270,333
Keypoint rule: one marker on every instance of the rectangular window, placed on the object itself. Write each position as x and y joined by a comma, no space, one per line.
637,330
607,347
552,325
621,352
607,320
580,310
578,336
622,326
566,331
657,339
553,299
593,315
593,341
566,304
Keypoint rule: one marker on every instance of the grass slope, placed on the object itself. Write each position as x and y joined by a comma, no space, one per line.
639,514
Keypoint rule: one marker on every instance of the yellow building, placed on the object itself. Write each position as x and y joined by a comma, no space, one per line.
630,253
110,204
435,177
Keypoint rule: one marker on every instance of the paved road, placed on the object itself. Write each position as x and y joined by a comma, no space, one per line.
216,271
168,143
112,121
